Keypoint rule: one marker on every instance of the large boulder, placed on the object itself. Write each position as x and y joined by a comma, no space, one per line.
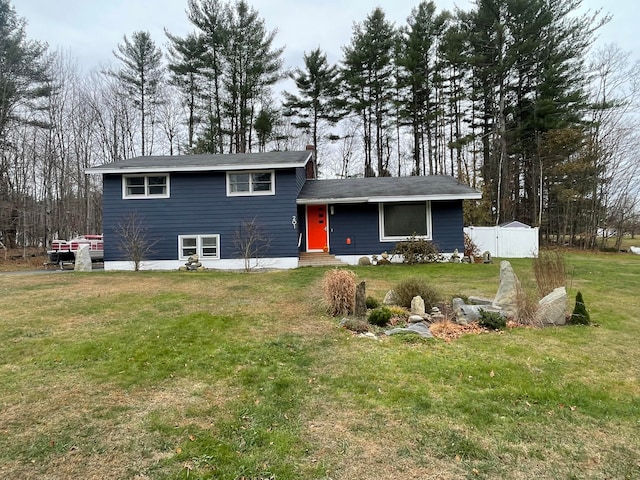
83,259
465,314
552,308
507,297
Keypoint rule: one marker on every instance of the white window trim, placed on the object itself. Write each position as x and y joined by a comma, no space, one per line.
399,238
251,193
199,246
146,195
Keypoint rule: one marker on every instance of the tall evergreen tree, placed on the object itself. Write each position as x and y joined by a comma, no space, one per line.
210,17
318,89
418,60
527,62
23,70
23,84
253,66
239,67
186,63
140,74
368,75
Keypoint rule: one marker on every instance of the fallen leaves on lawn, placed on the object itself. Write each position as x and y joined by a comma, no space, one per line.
450,331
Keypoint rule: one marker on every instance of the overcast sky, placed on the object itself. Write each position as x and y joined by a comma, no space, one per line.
89,30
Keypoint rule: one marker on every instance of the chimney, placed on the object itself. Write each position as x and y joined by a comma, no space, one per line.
312,166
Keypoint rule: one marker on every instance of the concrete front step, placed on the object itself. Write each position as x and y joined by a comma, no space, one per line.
318,259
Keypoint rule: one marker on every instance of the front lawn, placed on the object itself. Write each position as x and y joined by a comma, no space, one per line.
243,376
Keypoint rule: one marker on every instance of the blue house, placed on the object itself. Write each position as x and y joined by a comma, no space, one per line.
197,204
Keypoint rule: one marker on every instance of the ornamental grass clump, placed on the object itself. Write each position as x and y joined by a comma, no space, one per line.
414,287
550,270
580,315
339,289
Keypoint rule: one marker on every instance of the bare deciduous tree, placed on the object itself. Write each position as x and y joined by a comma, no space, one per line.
134,240
251,242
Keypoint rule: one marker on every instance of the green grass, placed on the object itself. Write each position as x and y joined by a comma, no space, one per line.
231,376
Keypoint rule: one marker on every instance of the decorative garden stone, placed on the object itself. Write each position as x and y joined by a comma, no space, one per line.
552,308
417,306
507,297
390,298
418,328
83,259
362,261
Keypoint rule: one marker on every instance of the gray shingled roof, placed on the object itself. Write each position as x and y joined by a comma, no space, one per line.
204,162
373,189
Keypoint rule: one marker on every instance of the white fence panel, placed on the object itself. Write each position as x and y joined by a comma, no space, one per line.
505,242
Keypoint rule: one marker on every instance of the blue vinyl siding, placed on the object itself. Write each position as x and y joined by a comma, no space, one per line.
360,223
448,224
301,177
199,205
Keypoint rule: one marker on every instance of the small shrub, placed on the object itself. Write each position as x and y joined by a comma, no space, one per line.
339,288
413,287
355,325
417,250
580,315
550,270
397,311
372,303
492,320
470,248
380,316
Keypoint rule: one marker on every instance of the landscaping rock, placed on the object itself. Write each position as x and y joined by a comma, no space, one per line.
370,335
361,301
480,301
415,319
83,259
417,306
552,308
465,314
507,297
390,298
363,261
417,328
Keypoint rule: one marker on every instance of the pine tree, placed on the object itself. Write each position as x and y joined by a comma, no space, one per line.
23,70
186,64
141,75
239,67
368,75
580,315
23,85
419,66
316,102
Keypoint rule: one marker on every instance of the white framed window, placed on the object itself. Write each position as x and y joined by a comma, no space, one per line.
398,221
145,186
207,247
251,183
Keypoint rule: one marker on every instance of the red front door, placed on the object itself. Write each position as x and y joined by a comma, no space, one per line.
317,227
